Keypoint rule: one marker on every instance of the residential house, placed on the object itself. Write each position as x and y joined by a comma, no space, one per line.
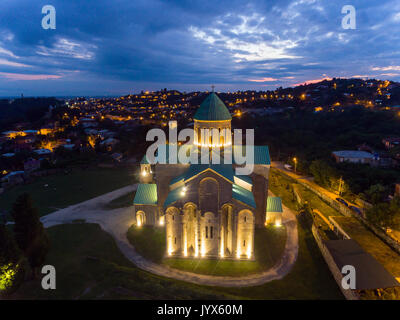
353,156
391,142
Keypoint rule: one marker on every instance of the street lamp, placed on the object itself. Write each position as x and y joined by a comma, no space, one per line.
295,164
340,185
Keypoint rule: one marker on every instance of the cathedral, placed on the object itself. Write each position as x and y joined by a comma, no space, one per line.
207,210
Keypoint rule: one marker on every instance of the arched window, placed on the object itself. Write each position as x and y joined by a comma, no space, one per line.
209,195
198,135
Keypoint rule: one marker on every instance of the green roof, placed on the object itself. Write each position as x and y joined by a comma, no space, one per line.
261,154
173,196
212,109
144,160
245,178
243,195
274,204
225,170
146,194
177,179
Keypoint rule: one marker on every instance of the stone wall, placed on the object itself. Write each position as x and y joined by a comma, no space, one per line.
348,293
260,192
150,211
395,245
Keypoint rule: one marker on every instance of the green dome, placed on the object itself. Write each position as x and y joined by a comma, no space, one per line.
212,109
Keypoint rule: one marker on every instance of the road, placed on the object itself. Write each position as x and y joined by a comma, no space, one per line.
309,180
394,234
116,223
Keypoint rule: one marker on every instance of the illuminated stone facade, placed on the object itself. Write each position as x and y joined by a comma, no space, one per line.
207,210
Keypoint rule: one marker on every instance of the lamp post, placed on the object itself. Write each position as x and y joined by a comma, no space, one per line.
340,185
295,164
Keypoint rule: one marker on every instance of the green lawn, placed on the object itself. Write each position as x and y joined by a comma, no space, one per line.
63,190
89,265
281,183
269,245
148,242
123,201
310,278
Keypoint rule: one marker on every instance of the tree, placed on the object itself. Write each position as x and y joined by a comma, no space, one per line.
323,173
379,214
29,232
9,251
385,214
12,266
376,193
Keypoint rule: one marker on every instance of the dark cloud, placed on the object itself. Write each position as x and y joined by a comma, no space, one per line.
103,46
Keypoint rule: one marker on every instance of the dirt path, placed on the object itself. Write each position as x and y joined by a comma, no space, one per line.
116,222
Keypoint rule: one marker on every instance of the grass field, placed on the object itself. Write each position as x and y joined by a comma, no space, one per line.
123,201
269,245
63,190
310,278
280,183
89,265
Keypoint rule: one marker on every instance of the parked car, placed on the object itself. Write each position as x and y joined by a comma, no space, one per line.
355,209
342,201
288,167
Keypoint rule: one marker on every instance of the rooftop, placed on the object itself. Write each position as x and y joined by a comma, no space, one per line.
243,195
260,153
370,274
353,154
212,109
146,194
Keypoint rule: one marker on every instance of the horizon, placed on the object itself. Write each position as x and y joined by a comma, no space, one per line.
182,91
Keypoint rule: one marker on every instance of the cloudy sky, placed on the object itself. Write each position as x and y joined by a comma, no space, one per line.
103,47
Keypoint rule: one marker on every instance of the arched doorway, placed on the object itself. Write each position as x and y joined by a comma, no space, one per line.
245,234
140,218
190,236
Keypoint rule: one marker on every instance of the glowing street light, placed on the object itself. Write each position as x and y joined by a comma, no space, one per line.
295,164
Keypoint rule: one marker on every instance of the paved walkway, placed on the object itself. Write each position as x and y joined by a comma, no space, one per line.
116,222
